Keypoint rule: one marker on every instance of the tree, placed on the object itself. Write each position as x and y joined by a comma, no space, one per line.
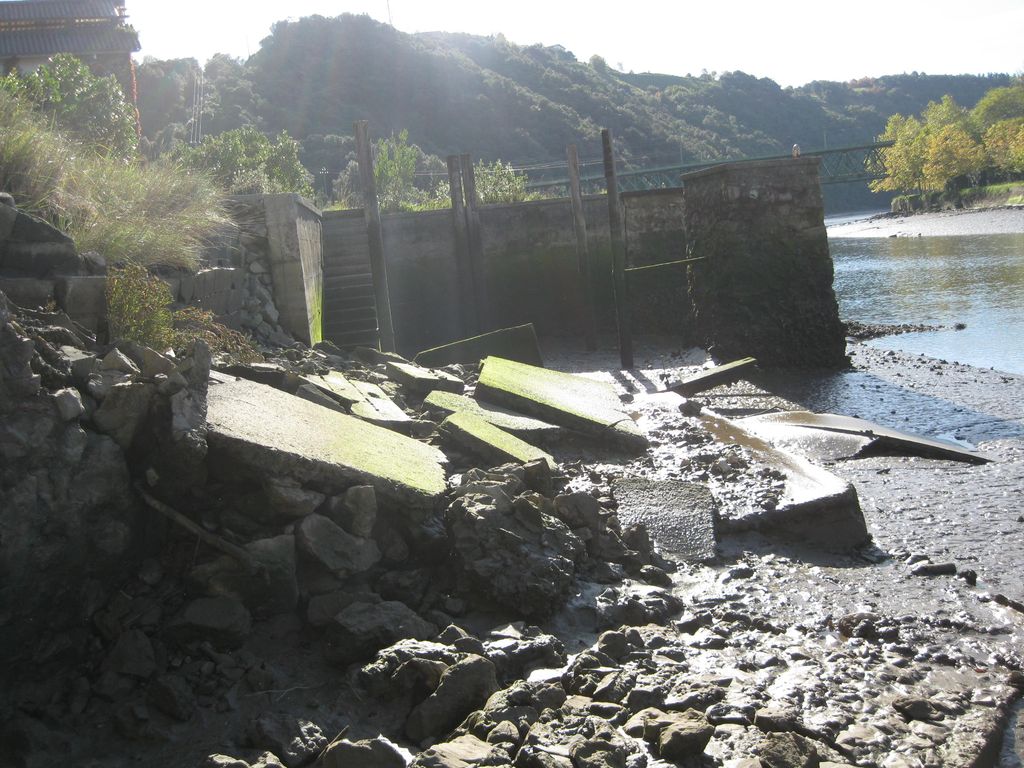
245,161
997,105
92,109
1004,143
394,170
942,113
904,160
952,153
499,182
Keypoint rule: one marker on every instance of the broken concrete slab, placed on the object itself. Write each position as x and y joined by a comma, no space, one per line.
831,434
525,427
477,436
337,386
377,407
713,377
681,517
816,506
586,406
423,381
518,343
258,430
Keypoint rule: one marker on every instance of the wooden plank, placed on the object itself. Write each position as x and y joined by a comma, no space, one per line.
579,223
476,251
713,377
374,234
618,254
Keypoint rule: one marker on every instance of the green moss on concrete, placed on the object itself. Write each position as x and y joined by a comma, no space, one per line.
475,435
587,406
519,425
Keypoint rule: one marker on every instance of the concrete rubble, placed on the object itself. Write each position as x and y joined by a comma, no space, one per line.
324,560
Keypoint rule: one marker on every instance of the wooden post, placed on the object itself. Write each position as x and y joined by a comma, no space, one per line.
476,249
579,223
374,233
467,290
618,255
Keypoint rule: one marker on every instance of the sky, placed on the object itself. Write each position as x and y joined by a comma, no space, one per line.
791,42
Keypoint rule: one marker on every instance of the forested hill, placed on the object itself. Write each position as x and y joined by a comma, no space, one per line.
496,99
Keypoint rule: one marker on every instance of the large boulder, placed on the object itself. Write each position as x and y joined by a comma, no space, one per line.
464,687
513,553
363,628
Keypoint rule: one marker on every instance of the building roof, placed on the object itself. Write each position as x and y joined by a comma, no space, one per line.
18,13
79,41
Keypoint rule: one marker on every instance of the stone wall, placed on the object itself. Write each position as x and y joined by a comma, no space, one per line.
764,287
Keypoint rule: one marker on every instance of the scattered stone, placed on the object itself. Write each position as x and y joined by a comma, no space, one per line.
934,569
422,381
361,629
335,549
69,403
464,687
369,753
685,736
223,621
288,499
173,696
296,741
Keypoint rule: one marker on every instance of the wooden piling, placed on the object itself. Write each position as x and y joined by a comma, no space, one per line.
579,223
467,289
618,255
476,249
375,236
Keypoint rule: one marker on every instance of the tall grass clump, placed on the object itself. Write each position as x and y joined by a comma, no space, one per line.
126,210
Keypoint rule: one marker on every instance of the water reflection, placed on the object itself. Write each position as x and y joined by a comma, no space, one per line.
973,279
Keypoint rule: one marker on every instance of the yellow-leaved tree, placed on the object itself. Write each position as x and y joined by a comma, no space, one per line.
1004,143
904,161
952,153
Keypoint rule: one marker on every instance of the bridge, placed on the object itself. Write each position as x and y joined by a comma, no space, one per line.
838,166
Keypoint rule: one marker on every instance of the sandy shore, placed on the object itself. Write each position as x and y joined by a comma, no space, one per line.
996,221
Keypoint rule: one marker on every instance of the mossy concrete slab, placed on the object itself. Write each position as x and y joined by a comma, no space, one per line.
422,381
586,406
258,431
521,426
377,407
518,343
335,385
680,516
477,436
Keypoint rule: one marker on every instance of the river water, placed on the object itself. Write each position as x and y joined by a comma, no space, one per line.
937,269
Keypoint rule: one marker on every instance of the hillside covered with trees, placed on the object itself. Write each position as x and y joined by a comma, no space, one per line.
495,99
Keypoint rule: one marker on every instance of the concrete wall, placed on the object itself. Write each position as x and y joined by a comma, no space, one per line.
764,287
296,264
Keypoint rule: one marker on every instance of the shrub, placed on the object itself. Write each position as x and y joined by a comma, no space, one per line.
246,161
139,307
124,209
192,323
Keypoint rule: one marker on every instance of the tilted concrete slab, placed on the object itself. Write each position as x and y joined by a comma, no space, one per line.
422,381
816,506
713,377
831,434
521,426
680,516
496,446
586,406
258,430
334,384
518,343
377,407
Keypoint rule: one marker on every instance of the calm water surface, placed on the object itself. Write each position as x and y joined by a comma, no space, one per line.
973,279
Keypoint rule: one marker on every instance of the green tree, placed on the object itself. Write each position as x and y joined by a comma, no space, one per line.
945,112
906,158
499,182
952,153
997,105
244,160
92,109
1004,143
394,171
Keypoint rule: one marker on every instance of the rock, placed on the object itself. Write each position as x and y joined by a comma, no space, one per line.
407,667
288,499
148,361
338,551
132,655
273,591
224,761
916,708
223,621
934,569
296,741
464,687
514,554
69,403
787,750
618,607
173,696
123,412
466,751
369,753
322,609
362,628
355,511
686,737
116,360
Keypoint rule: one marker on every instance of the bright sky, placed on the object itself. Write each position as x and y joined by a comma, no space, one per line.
791,41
